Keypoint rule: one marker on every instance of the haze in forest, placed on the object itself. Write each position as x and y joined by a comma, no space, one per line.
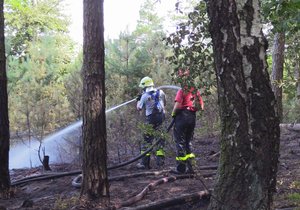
116,17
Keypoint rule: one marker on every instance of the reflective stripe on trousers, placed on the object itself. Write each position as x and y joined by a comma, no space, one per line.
186,157
183,133
155,120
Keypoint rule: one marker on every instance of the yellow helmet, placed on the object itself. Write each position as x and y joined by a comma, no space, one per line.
146,82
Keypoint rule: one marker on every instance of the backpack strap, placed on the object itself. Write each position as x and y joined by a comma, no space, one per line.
157,97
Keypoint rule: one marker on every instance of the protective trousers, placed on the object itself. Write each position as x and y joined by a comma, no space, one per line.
183,134
155,120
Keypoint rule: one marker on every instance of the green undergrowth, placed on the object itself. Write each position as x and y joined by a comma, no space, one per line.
295,198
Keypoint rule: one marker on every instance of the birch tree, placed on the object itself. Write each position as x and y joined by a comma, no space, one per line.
249,123
277,70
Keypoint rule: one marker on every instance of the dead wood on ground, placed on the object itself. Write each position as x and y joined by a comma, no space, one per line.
150,187
180,200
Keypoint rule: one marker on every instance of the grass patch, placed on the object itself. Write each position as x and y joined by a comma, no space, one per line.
295,198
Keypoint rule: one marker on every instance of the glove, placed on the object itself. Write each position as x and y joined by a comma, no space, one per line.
173,114
139,97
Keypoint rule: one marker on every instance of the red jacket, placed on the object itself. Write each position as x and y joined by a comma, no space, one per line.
188,100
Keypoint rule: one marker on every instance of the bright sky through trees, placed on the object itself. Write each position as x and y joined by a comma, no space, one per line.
118,15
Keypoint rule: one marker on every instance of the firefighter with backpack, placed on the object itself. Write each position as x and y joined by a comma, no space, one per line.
152,101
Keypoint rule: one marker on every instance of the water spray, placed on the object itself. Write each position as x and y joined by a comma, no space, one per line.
19,154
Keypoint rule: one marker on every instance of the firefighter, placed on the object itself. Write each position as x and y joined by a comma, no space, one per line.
153,101
187,102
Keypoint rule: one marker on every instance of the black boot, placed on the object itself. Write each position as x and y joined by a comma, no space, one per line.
180,168
160,161
145,163
189,165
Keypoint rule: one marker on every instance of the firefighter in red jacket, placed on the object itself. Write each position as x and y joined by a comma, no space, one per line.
187,102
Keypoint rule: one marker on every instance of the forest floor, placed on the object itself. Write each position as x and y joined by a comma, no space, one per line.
127,183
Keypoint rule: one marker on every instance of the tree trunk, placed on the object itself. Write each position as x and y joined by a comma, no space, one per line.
46,163
297,78
277,70
4,121
95,181
250,126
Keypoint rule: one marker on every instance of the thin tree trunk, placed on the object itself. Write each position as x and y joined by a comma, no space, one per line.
277,70
4,121
95,181
297,77
250,127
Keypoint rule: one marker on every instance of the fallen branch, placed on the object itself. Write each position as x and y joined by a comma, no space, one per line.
208,175
180,200
44,177
150,187
140,196
214,155
76,182
34,176
144,173
211,167
76,172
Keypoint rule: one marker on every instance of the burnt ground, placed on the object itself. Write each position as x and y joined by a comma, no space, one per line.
58,193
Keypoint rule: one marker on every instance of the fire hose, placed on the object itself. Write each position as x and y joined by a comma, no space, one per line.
77,180
76,172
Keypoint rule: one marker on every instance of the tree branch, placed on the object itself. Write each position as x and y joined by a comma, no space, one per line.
180,200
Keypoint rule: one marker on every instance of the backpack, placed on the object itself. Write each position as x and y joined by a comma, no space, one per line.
155,96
